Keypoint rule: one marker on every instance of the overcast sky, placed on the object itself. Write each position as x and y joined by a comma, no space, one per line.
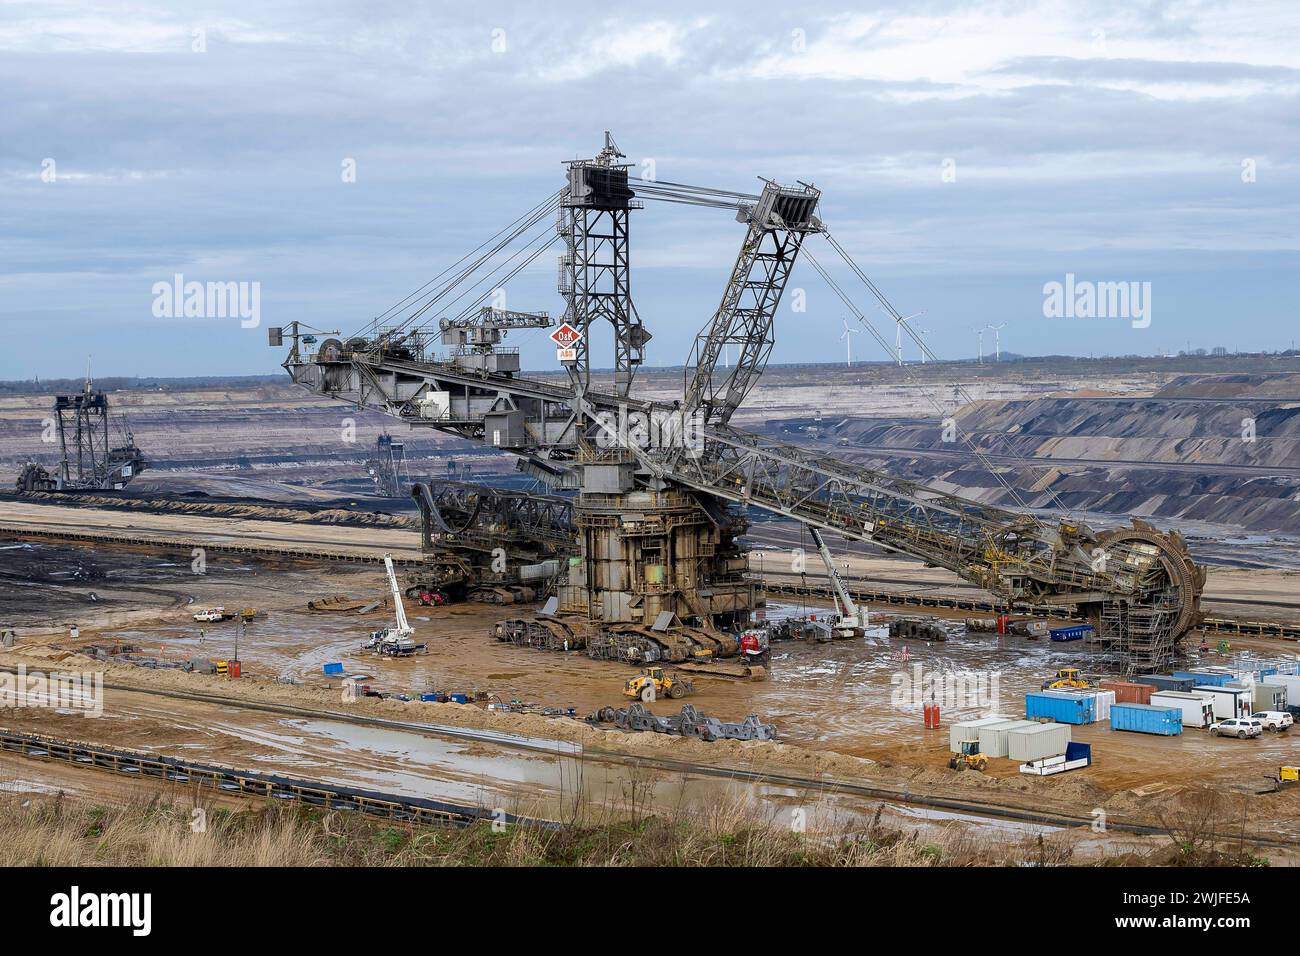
968,153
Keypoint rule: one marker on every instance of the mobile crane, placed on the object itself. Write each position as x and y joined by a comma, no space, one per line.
396,641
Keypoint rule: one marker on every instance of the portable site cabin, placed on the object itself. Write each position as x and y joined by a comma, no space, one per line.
1198,709
1230,700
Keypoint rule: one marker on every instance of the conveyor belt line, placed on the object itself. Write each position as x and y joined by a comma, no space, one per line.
311,793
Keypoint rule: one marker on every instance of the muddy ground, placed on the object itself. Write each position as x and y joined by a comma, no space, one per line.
837,707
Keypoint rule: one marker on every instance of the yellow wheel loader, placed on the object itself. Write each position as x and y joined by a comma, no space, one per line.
665,685
1065,677
970,756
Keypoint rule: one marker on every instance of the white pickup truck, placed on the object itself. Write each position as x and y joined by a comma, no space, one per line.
1241,727
1278,720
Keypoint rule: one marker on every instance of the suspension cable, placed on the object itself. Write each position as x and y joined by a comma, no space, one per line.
426,299
665,191
957,387
413,320
494,283
884,343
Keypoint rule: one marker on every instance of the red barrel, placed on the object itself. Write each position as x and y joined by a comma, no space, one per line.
232,669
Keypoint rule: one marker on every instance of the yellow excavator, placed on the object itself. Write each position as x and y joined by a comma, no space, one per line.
665,685
1065,677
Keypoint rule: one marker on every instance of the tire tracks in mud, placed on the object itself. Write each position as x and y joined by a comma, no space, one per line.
825,785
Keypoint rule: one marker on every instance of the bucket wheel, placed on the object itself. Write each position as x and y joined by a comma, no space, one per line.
1159,594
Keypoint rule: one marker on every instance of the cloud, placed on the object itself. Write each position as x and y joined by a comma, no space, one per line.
1085,136
617,46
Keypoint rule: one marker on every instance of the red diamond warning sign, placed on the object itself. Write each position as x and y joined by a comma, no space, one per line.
565,336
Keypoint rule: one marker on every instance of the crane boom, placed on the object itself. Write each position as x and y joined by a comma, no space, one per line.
403,627
849,609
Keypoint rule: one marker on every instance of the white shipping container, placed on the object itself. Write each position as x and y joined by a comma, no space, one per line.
1198,709
1038,742
1104,700
993,738
969,730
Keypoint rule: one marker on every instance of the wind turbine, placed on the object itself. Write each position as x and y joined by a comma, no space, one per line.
980,333
898,336
848,342
997,339
921,334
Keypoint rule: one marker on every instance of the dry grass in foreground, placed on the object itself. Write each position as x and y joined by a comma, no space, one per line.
57,831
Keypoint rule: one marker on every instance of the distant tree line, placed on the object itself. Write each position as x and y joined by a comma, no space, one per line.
111,383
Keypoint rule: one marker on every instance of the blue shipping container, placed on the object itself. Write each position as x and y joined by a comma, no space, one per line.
335,668
1167,682
1075,632
1147,719
1062,708
1203,678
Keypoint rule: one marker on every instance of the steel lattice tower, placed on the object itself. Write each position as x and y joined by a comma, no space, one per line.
595,270
83,425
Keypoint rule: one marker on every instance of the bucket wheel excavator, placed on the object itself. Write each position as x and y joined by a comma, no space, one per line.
662,486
